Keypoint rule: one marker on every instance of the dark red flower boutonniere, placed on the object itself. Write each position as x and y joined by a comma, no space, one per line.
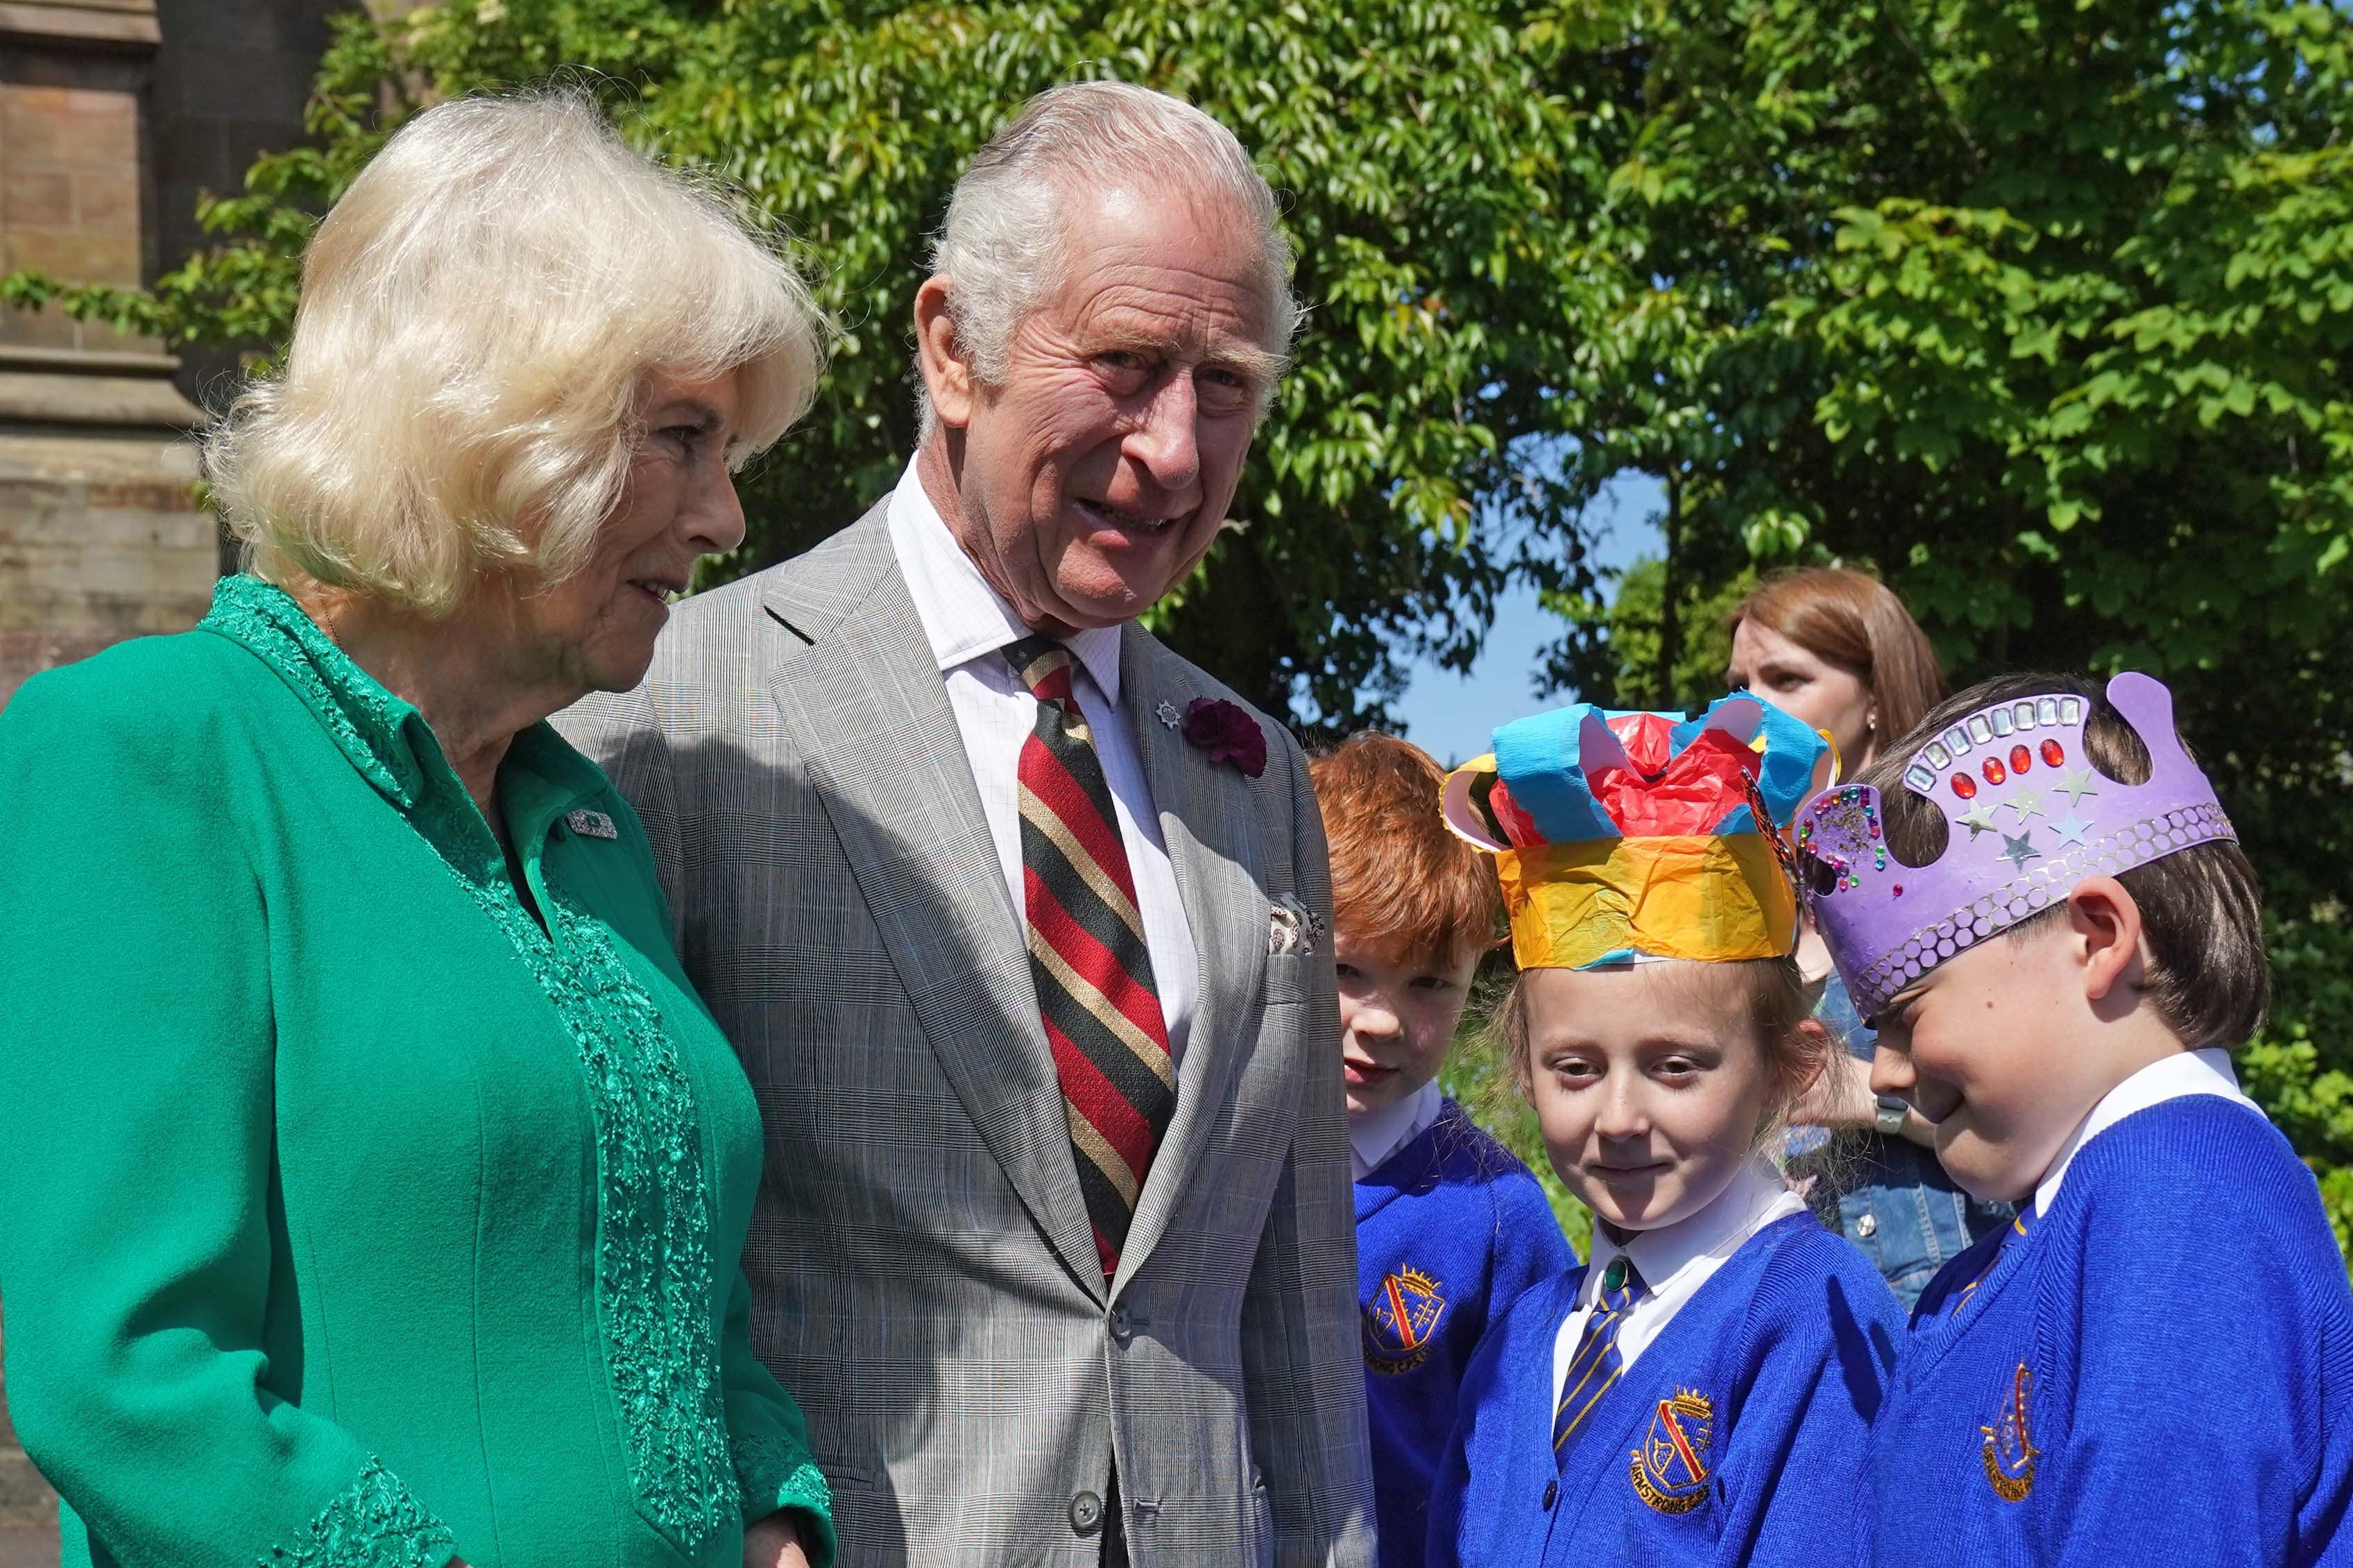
1227,733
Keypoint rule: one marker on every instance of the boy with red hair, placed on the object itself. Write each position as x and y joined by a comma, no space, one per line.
1450,1227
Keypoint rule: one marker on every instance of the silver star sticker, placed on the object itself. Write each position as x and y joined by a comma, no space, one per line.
2028,805
2075,784
2020,849
1978,819
2071,830
1167,714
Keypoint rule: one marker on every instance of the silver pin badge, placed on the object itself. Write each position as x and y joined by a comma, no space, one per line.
1167,714
592,824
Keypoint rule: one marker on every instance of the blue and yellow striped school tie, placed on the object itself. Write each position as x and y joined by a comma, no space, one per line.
1596,1364
2018,1227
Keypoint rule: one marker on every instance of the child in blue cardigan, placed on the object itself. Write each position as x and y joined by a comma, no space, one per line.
2040,902
1699,1393
1449,1227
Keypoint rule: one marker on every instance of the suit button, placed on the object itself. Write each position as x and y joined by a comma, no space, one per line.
1086,1513
1552,1495
1123,1327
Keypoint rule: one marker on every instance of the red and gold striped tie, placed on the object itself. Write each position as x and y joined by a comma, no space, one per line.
1087,955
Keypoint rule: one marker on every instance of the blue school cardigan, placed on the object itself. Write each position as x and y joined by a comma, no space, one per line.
2158,1372
1765,1380
1451,1230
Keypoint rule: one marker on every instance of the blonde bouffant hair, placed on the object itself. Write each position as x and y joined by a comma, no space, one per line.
481,315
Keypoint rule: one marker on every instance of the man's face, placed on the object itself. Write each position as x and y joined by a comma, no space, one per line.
1094,479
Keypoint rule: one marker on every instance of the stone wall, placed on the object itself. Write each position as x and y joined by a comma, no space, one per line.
29,1514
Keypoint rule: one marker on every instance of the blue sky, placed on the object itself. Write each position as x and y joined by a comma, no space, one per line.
1449,715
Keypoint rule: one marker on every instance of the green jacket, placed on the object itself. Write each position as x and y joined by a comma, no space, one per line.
347,1218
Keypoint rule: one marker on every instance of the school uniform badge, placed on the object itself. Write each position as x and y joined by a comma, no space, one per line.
1670,1471
1400,1320
2008,1452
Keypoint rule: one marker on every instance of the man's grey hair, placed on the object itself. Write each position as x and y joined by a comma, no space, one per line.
1004,245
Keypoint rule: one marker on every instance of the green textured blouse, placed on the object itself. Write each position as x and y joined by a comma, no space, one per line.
347,1217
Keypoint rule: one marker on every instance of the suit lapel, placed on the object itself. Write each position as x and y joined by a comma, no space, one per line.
1211,827
862,699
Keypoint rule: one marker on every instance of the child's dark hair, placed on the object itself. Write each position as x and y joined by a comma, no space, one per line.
2200,907
1776,1005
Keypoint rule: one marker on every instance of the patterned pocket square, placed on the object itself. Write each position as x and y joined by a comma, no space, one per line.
1292,927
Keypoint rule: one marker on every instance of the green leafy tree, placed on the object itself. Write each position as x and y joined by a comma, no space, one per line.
2044,307
1430,159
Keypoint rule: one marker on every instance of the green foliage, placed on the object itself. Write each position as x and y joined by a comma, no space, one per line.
2045,306
1430,154
1635,629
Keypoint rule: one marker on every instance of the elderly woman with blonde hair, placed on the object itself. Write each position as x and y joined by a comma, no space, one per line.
376,1182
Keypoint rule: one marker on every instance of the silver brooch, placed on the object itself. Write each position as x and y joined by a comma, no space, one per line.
592,824
1167,714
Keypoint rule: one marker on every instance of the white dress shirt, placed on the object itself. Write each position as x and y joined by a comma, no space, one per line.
968,625
1675,1261
1378,1134
2206,1071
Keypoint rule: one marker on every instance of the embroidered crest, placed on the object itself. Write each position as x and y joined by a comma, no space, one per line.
592,824
1670,1471
1400,1320
2008,1452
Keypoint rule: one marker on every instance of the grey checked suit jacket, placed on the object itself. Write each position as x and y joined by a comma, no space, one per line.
922,1277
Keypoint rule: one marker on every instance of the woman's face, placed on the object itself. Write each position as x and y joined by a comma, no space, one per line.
1806,687
1649,1083
597,628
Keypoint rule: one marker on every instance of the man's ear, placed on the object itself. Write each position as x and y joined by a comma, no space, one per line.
947,373
2105,927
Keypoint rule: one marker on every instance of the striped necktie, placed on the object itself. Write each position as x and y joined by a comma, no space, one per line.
1596,1364
1087,954
2018,1227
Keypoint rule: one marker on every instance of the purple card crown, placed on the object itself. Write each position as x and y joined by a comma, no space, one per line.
2028,817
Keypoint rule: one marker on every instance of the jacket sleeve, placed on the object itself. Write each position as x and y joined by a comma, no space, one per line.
136,1149
1303,1381
773,1465
1794,1463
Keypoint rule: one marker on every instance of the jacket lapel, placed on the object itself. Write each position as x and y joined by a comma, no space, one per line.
864,702
1209,825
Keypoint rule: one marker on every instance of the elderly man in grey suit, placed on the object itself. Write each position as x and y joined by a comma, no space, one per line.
1016,917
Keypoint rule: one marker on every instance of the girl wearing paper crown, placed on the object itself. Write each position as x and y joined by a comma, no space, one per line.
2037,900
1699,1392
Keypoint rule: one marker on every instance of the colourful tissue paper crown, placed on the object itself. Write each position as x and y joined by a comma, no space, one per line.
2002,777
1618,834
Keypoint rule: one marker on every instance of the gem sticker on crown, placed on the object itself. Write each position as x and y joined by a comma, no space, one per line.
2000,776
